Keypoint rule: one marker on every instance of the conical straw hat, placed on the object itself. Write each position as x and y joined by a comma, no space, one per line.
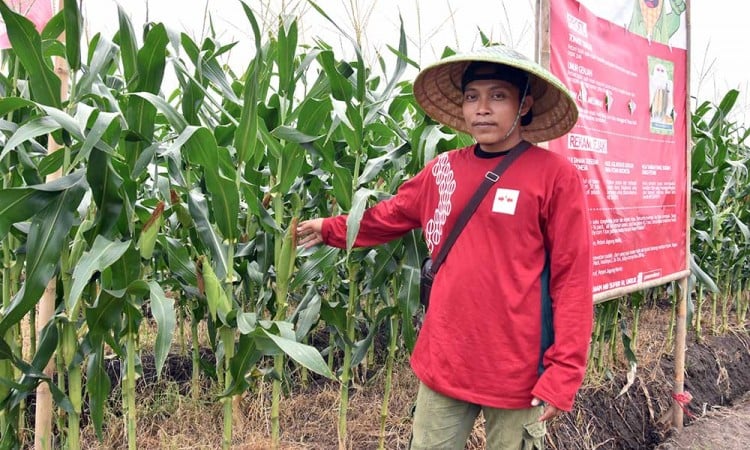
437,89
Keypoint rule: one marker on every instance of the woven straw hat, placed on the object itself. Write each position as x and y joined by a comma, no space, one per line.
437,89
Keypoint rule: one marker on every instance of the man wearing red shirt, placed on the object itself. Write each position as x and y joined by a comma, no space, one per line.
508,327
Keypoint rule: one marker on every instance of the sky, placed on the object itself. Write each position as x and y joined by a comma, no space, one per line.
717,29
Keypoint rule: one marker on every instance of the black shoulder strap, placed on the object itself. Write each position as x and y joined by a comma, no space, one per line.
489,179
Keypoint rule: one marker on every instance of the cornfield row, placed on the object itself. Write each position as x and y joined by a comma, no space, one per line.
181,206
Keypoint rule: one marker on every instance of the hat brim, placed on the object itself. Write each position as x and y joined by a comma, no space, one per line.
437,89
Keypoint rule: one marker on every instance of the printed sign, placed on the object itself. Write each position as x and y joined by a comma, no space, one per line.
626,63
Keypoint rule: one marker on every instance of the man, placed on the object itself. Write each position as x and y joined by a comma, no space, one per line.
508,326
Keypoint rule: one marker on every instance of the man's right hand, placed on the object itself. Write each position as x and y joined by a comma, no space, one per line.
310,233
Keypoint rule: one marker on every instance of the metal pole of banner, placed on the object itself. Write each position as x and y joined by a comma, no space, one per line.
680,346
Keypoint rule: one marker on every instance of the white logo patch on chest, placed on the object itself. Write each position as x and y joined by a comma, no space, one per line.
505,201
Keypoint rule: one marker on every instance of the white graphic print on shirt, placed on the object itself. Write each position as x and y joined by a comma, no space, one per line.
505,201
446,184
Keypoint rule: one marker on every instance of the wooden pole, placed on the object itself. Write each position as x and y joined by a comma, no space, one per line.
679,355
681,336
46,311
542,44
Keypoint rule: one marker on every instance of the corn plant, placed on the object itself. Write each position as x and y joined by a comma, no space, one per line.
719,218
131,152
181,201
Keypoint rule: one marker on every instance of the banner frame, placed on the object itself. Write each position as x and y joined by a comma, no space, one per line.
543,51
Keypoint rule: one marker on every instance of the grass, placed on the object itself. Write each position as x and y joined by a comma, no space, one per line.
169,420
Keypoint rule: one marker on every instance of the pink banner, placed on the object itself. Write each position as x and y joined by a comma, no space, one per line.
39,12
631,136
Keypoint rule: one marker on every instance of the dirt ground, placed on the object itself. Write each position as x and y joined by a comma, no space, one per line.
717,374
720,428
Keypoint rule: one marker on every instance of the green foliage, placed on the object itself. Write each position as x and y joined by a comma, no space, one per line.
190,201
186,204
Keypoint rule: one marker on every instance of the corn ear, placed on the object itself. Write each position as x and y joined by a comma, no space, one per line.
183,216
288,254
215,296
147,240
69,343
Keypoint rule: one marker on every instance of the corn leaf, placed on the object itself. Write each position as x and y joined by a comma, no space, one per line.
48,235
291,166
179,260
199,212
18,204
374,166
98,387
105,185
122,275
246,356
304,355
307,313
54,27
725,106
219,170
246,322
73,21
245,139
163,310
287,48
104,317
361,70
106,124
341,88
65,120
103,254
362,346
37,127
10,104
342,178
359,204
33,374
104,54
172,115
312,115
408,304
128,48
401,62
140,114
293,135
385,266
314,266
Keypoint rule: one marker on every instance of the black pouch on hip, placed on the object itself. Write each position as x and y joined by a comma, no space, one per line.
425,282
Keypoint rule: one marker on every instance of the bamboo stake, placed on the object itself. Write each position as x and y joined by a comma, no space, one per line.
43,415
680,338
679,354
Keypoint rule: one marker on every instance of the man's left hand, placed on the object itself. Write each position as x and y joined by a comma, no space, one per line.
549,412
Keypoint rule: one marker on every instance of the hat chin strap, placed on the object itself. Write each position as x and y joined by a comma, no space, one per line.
518,115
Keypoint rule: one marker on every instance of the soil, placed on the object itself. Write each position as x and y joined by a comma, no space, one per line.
606,415
723,427
716,375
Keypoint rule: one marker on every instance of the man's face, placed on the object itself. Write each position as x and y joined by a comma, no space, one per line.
490,107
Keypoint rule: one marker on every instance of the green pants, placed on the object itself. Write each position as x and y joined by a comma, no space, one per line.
443,423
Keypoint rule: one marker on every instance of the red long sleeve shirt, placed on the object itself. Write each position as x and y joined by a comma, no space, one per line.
528,244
